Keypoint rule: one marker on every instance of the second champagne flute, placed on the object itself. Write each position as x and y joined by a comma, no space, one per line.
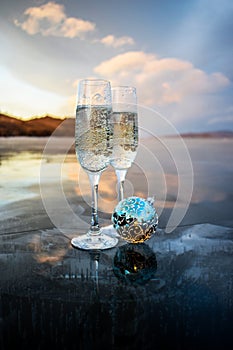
93,145
125,132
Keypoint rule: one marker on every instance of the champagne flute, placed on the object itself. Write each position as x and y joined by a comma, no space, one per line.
125,132
93,136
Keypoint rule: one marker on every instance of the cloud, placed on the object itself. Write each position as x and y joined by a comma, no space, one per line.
124,63
160,81
226,117
111,40
51,19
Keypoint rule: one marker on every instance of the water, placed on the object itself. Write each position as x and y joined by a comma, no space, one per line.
212,160
18,172
21,177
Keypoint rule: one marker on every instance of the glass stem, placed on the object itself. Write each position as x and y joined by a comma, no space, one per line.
120,173
94,181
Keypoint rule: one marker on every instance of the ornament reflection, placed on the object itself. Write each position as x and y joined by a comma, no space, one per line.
135,263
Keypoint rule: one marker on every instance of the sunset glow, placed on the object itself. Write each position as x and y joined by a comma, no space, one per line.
178,56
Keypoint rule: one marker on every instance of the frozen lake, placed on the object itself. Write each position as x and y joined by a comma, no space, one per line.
181,293
192,178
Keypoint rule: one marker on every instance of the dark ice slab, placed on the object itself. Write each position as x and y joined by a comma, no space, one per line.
52,295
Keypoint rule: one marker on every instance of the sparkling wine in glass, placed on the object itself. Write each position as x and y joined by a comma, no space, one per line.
125,132
93,145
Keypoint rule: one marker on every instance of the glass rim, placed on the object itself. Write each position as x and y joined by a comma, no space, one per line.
123,87
93,81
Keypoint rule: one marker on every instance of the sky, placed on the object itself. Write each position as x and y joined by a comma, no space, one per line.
178,55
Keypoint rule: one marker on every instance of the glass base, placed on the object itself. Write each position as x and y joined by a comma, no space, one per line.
89,241
110,231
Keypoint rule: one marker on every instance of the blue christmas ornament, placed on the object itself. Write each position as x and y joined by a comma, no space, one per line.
135,219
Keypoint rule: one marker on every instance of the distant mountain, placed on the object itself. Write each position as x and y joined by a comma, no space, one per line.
210,134
44,126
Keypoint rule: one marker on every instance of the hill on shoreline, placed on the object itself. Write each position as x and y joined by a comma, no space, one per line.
43,126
